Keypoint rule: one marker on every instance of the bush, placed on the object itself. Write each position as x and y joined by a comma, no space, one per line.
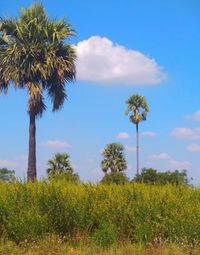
105,235
137,212
67,176
115,178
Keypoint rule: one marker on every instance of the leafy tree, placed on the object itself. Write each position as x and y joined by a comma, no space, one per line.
7,175
67,176
138,109
151,176
114,159
59,164
115,177
34,56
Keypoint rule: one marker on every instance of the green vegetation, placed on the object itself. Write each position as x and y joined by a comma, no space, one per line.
114,159
7,175
35,57
138,213
151,176
54,245
115,177
138,108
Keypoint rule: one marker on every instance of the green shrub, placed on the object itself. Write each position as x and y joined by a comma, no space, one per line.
105,235
115,178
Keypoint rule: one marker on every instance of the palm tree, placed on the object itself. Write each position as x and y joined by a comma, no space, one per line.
114,159
34,56
59,164
138,109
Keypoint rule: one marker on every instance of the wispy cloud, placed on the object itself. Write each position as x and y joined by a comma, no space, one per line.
148,133
7,163
102,61
193,147
160,156
180,165
194,116
55,144
186,133
123,135
130,148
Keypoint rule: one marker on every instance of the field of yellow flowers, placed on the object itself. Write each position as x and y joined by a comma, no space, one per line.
105,214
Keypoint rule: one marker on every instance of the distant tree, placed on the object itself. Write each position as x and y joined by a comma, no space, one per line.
151,176
114,158
138,108
115,177
7,175
59,164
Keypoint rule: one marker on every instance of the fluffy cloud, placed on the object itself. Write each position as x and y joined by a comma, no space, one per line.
160,156
55,144
123,135
148,133
102,61
195,116
180,165
186,133
193,147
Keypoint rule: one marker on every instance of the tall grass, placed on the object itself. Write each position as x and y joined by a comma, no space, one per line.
139,213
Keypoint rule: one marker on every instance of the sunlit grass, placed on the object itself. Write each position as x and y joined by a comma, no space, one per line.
53,245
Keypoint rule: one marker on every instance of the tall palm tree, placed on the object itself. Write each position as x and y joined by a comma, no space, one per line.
59,164
35,56
138,109
114,159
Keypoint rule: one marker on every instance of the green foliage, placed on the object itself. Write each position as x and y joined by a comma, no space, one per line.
59,164
67,176
34,56
114,159
105,235
115,177
139,213
7,175
137,107
151,176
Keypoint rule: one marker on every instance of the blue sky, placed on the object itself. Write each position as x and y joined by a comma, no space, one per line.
124,47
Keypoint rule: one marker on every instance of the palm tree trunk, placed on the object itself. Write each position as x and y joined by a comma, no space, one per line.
31,173
137,149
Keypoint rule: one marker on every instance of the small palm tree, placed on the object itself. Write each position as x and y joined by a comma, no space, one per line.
34,56
59,164
114,159
138,109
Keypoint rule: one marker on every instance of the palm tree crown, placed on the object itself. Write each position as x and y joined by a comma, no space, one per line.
114,159
59,164
138,107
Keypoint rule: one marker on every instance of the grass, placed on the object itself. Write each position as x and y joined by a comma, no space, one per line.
53,245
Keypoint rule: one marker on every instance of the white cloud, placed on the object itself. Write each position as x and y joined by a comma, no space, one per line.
160,156
55,144
148,133
100,60
195,116
180,165
186,133
123,135
193,147
130,148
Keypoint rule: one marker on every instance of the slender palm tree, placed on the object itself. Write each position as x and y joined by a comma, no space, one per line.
59,164
114,159
34,56
138,109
